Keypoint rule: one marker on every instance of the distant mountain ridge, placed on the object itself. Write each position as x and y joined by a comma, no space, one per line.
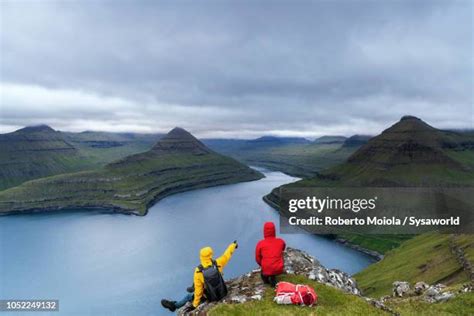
94,139
356,140
278,140
295,156
330,140
176,163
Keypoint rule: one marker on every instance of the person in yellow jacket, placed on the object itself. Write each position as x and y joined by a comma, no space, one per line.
214,288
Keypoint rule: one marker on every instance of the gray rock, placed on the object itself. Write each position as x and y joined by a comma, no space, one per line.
400,288
432,291
444,297
435,294
420,287
238,299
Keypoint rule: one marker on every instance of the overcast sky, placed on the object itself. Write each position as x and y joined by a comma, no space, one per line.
236,69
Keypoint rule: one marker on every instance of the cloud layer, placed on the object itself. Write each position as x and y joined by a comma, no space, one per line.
236,69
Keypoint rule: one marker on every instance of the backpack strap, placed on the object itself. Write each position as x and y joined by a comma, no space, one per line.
214,263
200,268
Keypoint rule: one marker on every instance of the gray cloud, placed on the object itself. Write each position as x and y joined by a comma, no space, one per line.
236,69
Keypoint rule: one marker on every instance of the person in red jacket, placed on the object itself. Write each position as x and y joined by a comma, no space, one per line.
269,254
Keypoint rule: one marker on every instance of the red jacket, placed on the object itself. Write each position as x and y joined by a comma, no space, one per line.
269,251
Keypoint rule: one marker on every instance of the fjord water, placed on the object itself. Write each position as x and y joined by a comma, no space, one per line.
112,264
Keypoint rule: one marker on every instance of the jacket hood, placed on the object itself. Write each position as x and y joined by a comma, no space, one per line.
269,229
205,255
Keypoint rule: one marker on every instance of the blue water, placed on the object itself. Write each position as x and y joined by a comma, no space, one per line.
112,264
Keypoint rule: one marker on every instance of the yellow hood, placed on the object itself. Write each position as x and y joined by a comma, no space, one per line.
206,256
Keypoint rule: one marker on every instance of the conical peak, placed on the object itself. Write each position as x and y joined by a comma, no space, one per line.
36,128
180,140
410,123
179,132
410,140
409,117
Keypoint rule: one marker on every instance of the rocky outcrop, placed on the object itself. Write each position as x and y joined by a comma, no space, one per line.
249,287
400,288
299,262
428,293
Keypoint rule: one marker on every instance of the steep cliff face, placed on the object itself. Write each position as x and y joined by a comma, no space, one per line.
177,163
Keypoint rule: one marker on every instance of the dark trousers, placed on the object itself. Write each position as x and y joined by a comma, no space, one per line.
269,279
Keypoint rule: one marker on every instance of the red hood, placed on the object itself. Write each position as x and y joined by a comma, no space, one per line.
268,230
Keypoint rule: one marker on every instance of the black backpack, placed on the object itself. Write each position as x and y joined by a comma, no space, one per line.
214,284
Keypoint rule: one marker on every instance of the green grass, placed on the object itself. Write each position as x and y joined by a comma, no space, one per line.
425,258
331,301
466,157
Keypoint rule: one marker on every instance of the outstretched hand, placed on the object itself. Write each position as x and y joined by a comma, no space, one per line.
236,244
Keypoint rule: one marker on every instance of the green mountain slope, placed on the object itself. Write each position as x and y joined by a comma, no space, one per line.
427,258
178,162
409,153
35,152
431,258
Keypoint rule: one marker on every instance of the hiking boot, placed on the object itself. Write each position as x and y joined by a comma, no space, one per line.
171,305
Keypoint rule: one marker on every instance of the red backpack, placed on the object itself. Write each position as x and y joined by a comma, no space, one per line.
299,294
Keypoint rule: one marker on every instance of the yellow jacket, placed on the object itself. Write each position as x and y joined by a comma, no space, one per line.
206,261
